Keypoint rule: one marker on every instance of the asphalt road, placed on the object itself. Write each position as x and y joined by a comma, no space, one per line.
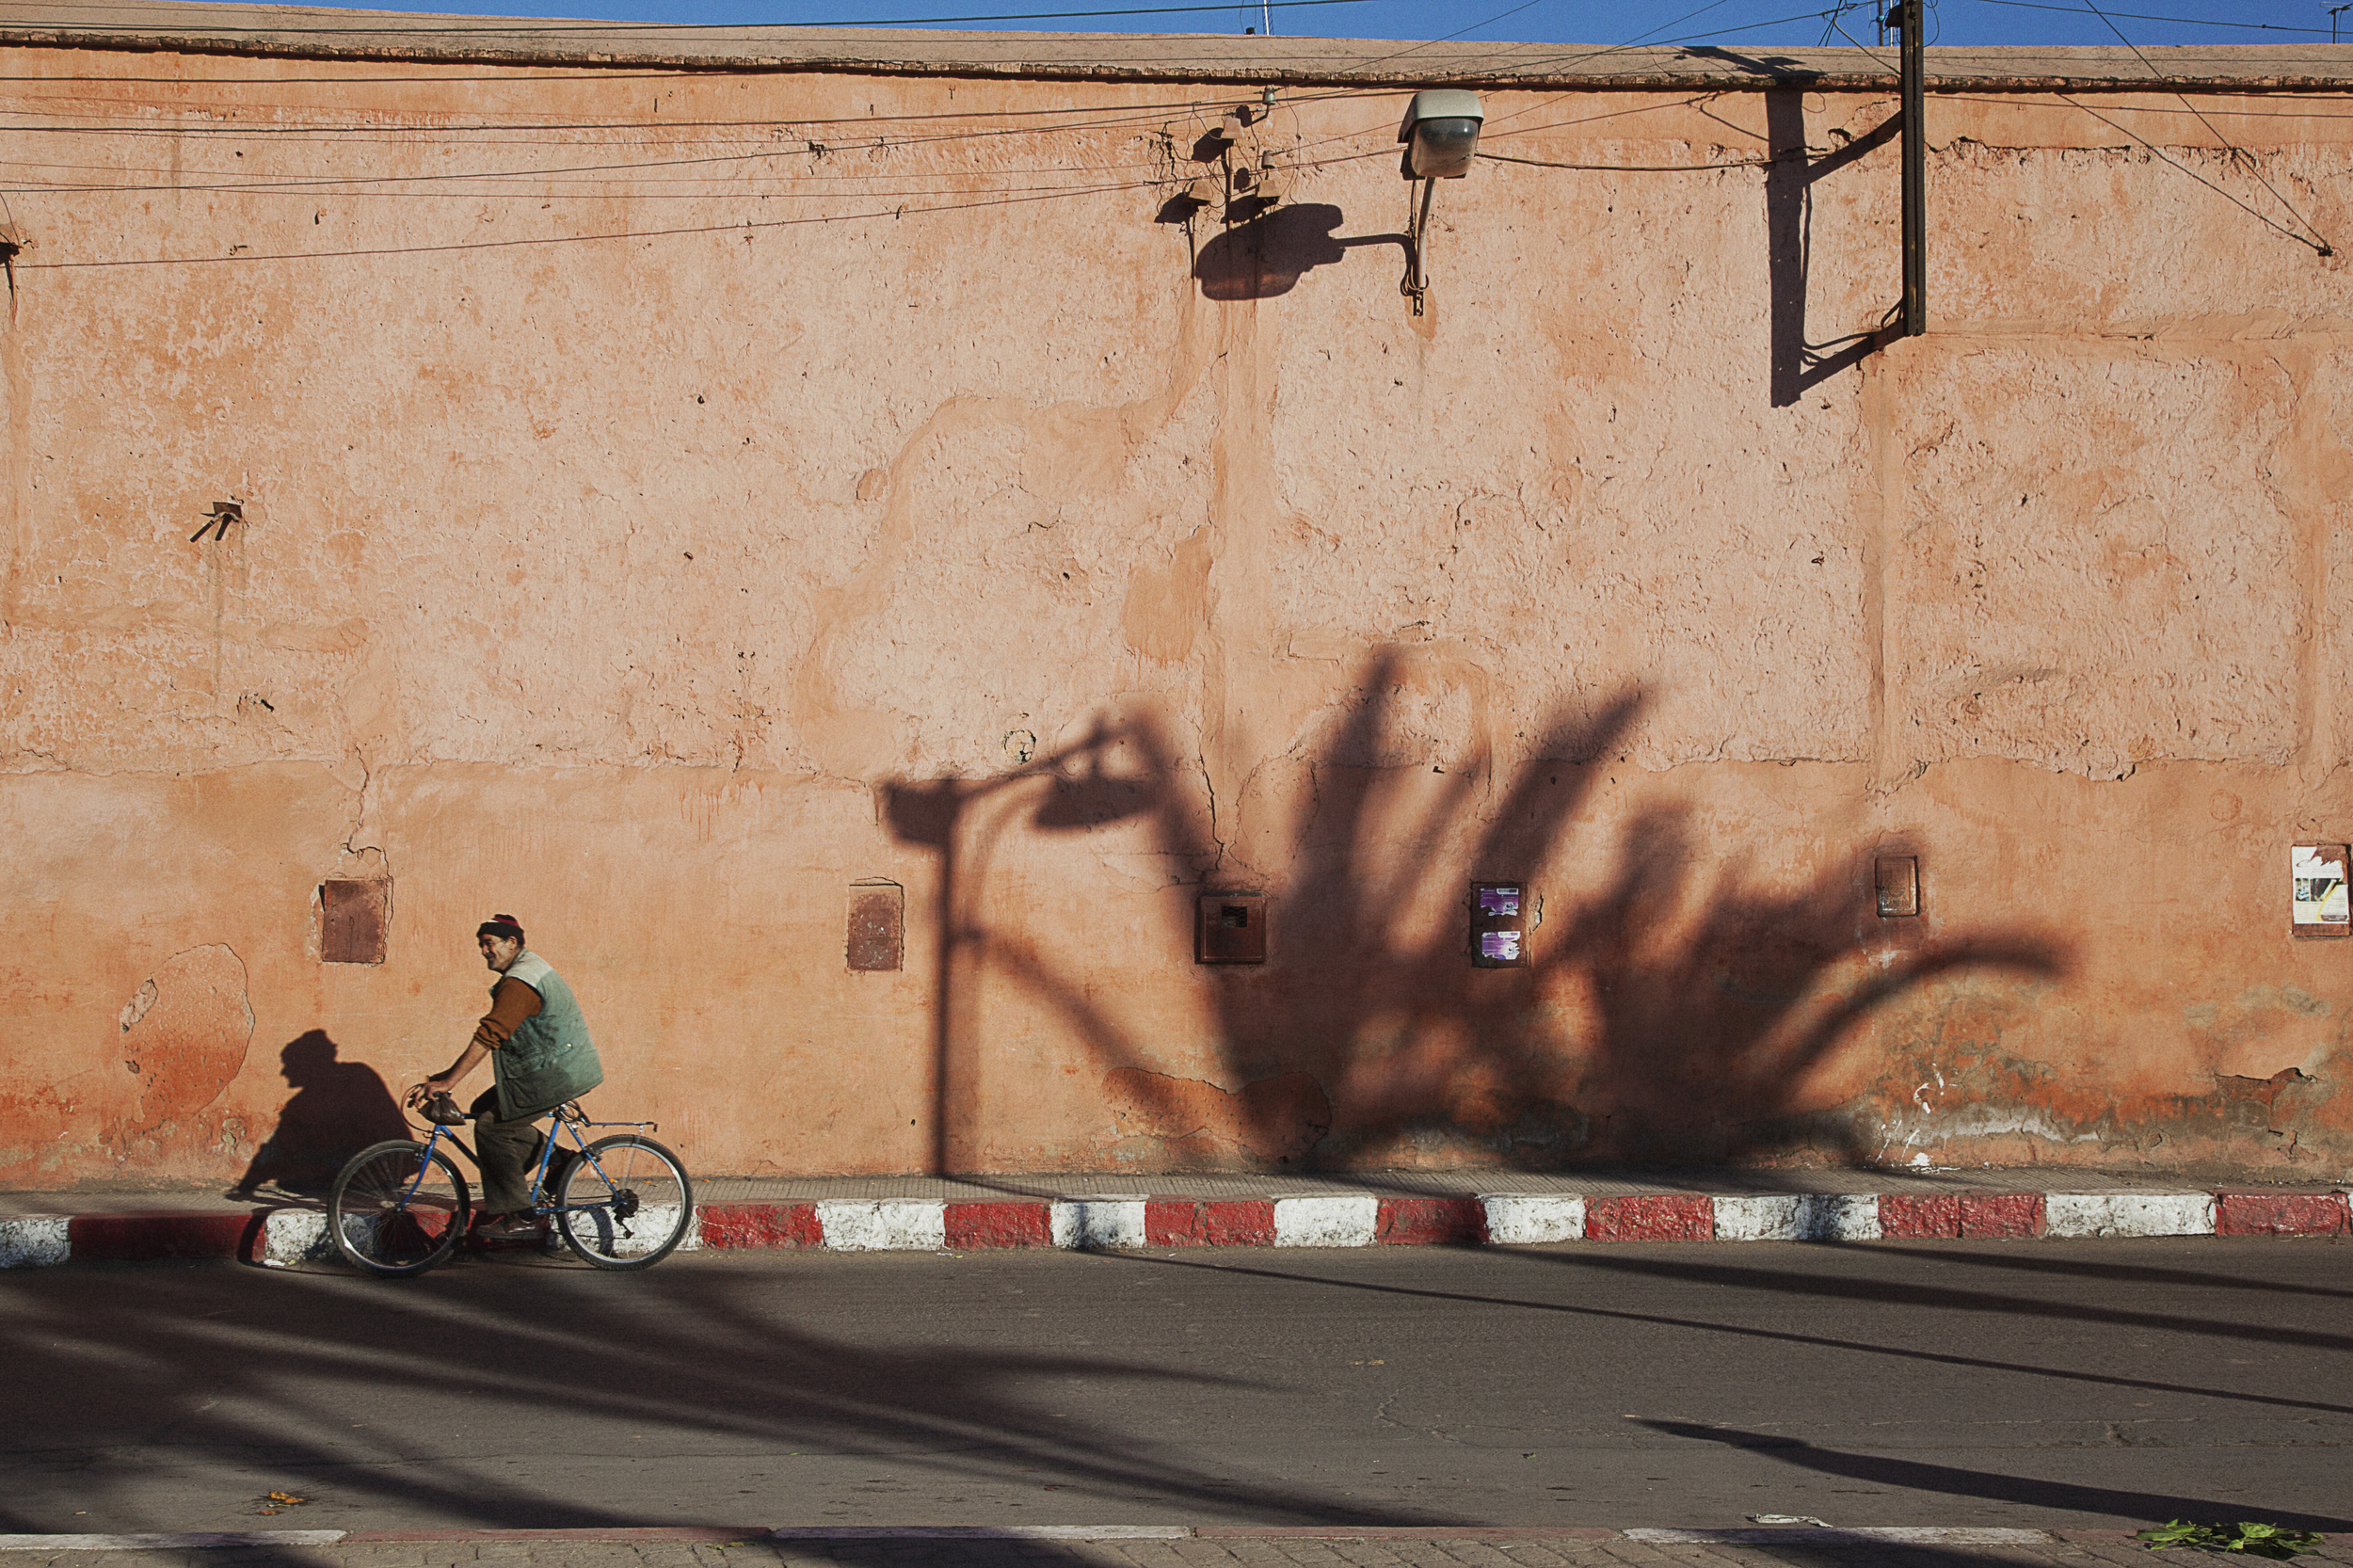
2093,1383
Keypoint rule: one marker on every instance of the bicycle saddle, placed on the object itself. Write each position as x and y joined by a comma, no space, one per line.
442,1111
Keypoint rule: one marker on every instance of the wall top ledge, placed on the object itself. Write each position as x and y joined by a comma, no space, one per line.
299,32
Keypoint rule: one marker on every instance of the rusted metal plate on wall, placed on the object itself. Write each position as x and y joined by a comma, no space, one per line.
1896,881
1231,928
877,926
353,917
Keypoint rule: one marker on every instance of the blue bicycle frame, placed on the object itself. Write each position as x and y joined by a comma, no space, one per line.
566,1117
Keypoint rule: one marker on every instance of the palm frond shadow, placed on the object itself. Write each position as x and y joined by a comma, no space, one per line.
1370,1040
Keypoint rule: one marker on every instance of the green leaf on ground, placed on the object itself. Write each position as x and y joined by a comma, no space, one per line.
2248,1537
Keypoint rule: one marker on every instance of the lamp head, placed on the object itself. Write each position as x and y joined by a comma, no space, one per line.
1441,133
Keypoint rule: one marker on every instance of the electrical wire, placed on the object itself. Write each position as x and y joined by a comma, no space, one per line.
2265,218
2177,21
1128,112
606,29
1135,115
745,227
1633,42
2319,241
554,171
2151,108
1648,168
1645,42
412,136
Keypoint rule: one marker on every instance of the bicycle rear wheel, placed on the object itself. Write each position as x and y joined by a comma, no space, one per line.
394,1211
625,1203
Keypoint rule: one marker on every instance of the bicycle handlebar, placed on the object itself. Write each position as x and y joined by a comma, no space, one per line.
442,1111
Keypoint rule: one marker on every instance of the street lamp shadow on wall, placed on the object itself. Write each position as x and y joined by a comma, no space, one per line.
1441,137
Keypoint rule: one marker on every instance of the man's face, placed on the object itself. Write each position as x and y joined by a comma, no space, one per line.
500,951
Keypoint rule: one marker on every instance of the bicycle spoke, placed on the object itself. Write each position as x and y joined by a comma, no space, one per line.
625,1203
397,1211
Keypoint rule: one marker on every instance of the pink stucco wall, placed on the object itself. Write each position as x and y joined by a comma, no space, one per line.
1056,561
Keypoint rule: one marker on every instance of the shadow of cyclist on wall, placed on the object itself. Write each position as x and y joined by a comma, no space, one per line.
338,1109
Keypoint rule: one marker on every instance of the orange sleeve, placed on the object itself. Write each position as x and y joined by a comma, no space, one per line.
511,1002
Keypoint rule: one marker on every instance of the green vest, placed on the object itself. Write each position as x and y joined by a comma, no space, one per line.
551,1057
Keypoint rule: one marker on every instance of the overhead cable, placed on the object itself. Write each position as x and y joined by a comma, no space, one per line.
2318,241
606,29
2143,16
746,227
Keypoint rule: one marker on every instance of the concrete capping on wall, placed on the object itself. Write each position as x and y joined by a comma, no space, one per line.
273,31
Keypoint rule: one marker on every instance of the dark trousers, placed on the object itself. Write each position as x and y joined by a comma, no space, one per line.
507,1151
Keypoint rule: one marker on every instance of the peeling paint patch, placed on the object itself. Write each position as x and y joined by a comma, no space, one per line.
1277,1118
1167,608
188,1037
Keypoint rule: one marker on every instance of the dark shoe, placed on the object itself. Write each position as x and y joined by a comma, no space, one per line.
510,1227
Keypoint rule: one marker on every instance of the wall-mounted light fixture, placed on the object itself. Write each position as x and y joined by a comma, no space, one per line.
1441,137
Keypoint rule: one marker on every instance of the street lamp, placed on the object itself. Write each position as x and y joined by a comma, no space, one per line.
1442,132
1441,137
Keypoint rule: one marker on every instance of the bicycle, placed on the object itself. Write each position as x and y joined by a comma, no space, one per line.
399,1208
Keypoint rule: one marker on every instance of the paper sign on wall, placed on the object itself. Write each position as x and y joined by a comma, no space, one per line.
2323,903
1499,924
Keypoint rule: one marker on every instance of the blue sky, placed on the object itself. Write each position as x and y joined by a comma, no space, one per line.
1750,22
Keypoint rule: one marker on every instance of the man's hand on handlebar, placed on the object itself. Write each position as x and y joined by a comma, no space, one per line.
421,1092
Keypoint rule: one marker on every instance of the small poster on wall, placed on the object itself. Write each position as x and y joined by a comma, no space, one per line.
2323,903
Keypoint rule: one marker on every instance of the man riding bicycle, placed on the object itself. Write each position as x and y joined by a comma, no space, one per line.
541,1057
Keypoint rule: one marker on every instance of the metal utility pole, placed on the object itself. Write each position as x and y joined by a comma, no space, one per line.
1916,165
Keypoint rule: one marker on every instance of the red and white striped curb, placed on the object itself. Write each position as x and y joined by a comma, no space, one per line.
1965,1535
289,1235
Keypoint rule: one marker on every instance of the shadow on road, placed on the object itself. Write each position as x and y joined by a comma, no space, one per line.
1949,1481
1746,1331
328,1376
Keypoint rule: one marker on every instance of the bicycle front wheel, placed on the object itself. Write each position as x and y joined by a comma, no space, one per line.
625,1203
396,1210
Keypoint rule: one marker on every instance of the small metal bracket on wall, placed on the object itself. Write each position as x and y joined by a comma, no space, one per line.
1416,282
12,245
216,522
